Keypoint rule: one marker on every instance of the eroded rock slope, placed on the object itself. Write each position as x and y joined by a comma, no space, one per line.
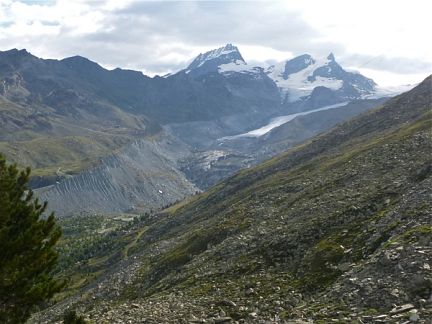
140,177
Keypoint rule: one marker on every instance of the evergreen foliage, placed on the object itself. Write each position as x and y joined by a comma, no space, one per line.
27,241
71,317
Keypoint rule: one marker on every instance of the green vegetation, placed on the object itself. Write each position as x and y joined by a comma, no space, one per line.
54,144
68,154
71,317
90,244
27,242
412,235
323,265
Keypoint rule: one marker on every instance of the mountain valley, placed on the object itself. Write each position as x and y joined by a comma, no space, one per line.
71,119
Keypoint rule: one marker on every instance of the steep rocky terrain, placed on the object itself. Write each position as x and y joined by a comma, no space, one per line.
336,229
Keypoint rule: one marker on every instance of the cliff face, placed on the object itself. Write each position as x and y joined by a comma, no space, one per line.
140,177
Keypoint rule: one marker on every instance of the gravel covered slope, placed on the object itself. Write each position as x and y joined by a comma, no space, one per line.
335,230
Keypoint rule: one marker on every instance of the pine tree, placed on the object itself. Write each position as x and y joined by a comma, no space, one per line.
27,241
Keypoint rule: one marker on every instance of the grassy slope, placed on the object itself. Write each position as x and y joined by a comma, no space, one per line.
69,153
48,141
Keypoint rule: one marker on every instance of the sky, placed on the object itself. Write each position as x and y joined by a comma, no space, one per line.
387,40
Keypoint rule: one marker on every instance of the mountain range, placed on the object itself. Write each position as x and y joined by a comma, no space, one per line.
71,119
302,78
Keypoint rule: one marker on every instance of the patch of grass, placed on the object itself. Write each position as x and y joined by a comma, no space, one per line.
412,235
47,156
322,265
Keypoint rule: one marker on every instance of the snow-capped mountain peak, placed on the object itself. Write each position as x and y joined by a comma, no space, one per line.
331,57
212,60
298,77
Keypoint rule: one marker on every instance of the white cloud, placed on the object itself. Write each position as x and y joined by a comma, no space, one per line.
371,27
163,36
256,53
388,78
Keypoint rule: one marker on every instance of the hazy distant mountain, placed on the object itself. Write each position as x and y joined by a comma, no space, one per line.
303,82
216,84
298,78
